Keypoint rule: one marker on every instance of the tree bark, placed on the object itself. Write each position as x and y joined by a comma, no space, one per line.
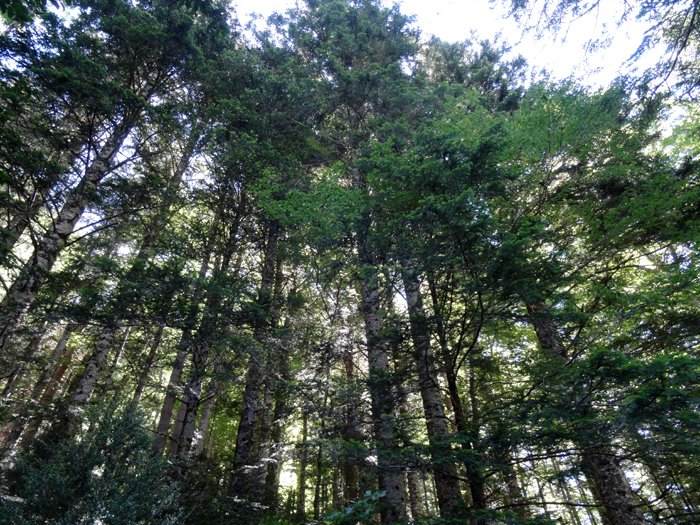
351,433
301,477
414,494
30,351
21,294
172,388
166,411
182,444
610,485
514,493
246,473
475,481
611,488
113,319
390,472
206,333
205,418
444,470
281,410
146,366
108,377
17,224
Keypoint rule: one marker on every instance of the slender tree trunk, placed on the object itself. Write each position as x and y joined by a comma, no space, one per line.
11,432
205,418
245,474
564,489
206,333
21,294
319,449
88,381
477,488
146,366
446,478
390,471
30,351
171,391
86,385
514,493
540,493
174,441
108,377
17,224
351,433
336,495
166,412
301,477
193,392
281,409
319,480
611,488
112,323
47,393
475,481
267,412
585,499
414,494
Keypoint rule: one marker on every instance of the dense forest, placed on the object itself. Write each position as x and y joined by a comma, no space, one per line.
332,271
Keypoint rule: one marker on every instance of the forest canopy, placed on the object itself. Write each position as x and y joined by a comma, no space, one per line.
331,271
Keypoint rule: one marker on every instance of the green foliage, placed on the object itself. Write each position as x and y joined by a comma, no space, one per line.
23,11
106,473
361,511
330,155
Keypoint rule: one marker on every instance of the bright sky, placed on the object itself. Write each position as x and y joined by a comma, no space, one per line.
455,20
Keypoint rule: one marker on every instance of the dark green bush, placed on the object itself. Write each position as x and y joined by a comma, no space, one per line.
105,475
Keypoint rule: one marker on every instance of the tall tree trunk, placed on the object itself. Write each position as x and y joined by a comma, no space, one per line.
301,476
319,449
514,494
86,385
351,432
30,351
112,322
57,356
21,294
11,432
564,489
88,381
207,410
176,433
390,471
611,488
108,377
444,470
51,386
171,391
475,480
245,473
281,409
193,392
319,480
46,393
206,335
147,365
18,223
415,498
